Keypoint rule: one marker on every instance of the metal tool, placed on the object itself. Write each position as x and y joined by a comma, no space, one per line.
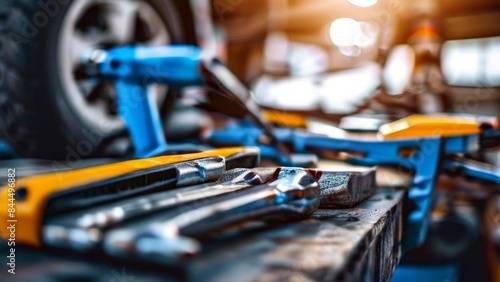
292,195
83,230
453,127
338,189
331,244
221,79
57,192
137,183
135,69
441,124
420,154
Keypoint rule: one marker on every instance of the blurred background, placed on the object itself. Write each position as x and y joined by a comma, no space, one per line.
322,58
326,59
418,56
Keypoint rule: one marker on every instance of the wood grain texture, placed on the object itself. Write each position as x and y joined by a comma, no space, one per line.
357,244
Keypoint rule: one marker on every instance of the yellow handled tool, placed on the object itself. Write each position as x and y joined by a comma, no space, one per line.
38,190
424,126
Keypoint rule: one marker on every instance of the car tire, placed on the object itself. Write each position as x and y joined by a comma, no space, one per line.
36,117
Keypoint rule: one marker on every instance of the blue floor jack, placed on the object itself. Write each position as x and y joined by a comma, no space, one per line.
135,69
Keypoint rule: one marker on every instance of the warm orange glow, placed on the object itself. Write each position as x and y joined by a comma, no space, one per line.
363,3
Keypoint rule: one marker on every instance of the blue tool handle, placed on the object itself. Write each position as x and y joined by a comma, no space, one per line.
134,70
175,65
140,113
475,170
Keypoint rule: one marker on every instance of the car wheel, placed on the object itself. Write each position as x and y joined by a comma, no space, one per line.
49,108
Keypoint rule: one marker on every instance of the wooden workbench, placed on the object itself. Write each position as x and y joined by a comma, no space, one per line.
357,244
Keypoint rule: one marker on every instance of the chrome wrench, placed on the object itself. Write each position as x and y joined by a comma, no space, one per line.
293,194
84,229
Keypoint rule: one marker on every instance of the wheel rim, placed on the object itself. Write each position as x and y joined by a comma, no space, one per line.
91,24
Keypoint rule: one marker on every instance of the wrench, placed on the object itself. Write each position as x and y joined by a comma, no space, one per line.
137,183
339,189
83,230
292,194
38,196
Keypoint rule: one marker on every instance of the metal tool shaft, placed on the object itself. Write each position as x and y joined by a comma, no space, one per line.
137,183
292,195
89,224
84,229
339,189
220,78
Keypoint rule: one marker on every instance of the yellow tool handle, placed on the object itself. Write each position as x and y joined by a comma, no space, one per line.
29,212
285,118
421,126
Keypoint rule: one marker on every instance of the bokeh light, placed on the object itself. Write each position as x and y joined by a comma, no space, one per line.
350,35
363,3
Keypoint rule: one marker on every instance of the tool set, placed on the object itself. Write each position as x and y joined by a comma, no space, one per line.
158,206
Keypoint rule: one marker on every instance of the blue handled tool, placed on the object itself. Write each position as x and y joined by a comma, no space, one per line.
135,69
